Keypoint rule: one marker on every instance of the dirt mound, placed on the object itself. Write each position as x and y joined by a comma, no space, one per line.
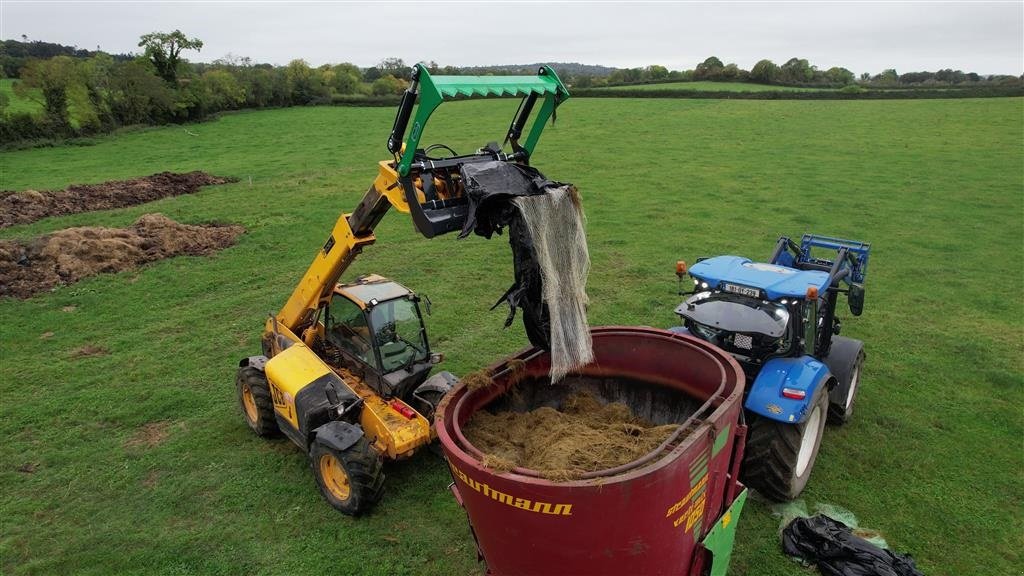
584,435
66,256
31,205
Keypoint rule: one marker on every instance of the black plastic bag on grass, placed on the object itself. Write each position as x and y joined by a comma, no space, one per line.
832,547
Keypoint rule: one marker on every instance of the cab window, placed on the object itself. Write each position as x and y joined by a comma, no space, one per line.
347,329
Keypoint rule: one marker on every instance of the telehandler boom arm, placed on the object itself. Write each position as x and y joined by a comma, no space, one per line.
427,188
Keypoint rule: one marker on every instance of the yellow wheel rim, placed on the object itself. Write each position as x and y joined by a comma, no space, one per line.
334,477
249,404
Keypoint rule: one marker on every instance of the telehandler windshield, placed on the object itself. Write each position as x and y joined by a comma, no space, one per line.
399,332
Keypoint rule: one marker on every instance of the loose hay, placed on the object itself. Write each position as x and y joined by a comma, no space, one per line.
64,257
477,380
584,435
31,205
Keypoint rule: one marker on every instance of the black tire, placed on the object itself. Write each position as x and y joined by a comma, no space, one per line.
259,415
845,360
774,449
363,470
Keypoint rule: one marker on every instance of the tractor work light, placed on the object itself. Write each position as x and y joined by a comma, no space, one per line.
794,393
680,268
812,292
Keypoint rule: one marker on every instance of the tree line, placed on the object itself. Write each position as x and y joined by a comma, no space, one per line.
796,72
83,92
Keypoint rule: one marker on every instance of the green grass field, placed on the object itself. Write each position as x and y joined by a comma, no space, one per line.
715,87
17,103
143,465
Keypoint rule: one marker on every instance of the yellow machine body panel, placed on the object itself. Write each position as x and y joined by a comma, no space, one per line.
288,372
392,434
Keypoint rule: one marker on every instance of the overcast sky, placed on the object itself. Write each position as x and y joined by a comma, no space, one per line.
983,37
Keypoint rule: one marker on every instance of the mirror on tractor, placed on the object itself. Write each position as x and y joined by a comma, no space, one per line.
426,304
856,299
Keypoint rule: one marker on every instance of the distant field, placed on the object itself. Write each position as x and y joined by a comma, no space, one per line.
138,461
714,87
16,103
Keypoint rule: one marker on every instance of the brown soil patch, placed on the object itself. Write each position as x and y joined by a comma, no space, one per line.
149,435
69,308
151,479
28,468
584,435
64,257
88,350
31,205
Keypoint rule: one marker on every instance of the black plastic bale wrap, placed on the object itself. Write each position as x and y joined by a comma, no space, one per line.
836,551
491,187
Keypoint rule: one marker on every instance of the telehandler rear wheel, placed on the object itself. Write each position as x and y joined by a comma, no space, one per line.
351,480
254,399
779,457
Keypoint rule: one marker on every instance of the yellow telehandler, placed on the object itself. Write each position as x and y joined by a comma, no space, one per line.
344,369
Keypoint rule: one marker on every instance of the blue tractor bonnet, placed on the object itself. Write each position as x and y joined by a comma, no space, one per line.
773,281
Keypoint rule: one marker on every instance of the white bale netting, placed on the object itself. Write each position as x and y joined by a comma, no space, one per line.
555,224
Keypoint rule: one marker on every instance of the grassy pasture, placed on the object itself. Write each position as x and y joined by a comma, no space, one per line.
706,86
142,464
17,103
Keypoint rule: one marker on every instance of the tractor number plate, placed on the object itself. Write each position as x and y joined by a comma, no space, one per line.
743,290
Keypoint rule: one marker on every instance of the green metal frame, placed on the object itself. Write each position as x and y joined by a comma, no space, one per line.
720,539
433,90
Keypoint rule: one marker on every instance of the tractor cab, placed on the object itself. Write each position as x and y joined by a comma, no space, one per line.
374,329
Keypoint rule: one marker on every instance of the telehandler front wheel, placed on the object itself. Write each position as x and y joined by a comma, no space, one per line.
779,457
254,399
351,480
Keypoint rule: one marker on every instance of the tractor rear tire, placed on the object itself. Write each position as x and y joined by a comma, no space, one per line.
255,402
351,480
844,361
779,457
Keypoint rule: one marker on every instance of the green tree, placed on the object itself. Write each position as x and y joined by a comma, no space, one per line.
387,84
220,90
136,96
54,78
305,84
395,67
346,79
839,75
764,72
888,77
709,69
164,50
655,72
796,71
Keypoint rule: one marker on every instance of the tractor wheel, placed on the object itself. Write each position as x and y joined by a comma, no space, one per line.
779,457
254,399
845,360
351,480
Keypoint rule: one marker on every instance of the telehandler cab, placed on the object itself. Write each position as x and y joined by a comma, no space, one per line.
778,319
344,367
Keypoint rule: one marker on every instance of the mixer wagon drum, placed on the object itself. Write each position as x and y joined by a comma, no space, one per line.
673,510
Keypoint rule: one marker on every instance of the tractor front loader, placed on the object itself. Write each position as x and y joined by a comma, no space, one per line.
344,369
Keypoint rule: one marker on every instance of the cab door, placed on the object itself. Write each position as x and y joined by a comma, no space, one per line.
349,339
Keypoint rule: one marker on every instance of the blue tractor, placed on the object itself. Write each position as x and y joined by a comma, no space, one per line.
778,319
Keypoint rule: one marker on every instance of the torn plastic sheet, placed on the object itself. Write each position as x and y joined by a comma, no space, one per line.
789,511
833,540
831,546
492,189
